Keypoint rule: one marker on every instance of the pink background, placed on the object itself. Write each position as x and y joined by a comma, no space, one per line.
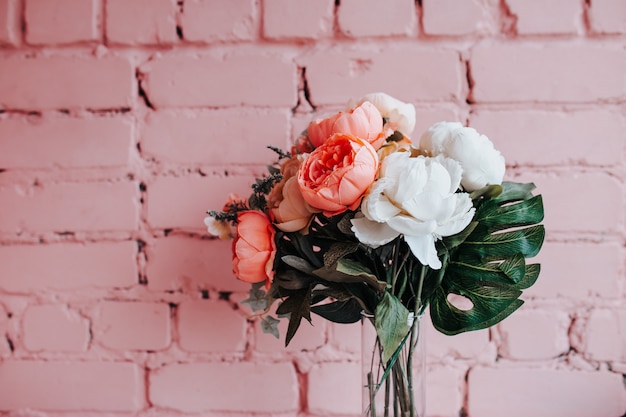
122,121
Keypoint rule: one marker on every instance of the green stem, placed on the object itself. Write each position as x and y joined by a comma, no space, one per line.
415,330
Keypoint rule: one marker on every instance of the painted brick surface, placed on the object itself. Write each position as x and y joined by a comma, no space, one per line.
297,19
143,22
394,17
42,142
55,328
71,386
66,266
9,22
131,325
228,20
206,326
525,72
545,393
66,82
61,21
123,121
193,388
470,17
555,17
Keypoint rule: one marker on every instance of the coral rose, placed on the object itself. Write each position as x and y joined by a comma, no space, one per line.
254,248
336,175
364,122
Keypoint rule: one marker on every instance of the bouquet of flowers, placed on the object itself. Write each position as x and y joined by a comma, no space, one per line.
358,220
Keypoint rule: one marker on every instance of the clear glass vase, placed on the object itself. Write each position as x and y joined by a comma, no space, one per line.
397,388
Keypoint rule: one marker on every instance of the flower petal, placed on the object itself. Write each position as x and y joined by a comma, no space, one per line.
376,206
371,233
423,247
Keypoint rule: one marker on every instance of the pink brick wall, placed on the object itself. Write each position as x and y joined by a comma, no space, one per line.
122,121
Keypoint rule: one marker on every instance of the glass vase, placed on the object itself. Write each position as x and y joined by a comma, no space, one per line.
397,388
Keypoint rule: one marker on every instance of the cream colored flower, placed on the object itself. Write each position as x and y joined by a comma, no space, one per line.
400,116
482,164
415,197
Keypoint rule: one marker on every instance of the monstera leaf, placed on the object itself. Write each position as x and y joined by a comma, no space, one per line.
489,267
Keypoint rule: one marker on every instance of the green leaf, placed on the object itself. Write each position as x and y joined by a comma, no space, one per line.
526,241
451,242
298,263
488,191
270,325
515,191
298,306
514,267
530,277
494,217
339,250
348,311
256,298
489,266
391,321
292,280
491,304
347,271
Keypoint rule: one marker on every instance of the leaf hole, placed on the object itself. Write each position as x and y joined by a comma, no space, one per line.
460,302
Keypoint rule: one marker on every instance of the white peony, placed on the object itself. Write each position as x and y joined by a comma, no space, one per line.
415,197
482,163
400,115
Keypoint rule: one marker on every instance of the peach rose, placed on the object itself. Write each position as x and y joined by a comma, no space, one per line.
292,213
336,175
288,210
254,248
364,122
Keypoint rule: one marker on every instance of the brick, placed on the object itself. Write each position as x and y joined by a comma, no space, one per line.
298,19
522,72
578,270
133,325
65,82
242,136
207,326
564,208
5,349
467,17
554,17
330,395
195,387
444,392
606,335
67,266
61,21
65,142
562,137
608,16
71,207
544,393
469,345
218,20
141,22
71,386
425,118
199,194
344,337
535,335
338,74
245,78
55,328
10,32
177,263
360,18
